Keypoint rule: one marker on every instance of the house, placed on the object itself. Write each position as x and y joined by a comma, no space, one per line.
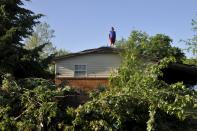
177,72
88,69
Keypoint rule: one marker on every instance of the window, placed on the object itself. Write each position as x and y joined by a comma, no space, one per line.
80,70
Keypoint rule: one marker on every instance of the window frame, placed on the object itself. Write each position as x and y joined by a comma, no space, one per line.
85,75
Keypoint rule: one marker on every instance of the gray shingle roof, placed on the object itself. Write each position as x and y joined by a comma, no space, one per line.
99,50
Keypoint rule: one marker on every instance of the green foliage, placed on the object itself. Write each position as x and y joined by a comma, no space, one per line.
31,104
61,52
42,51
192,45
42,35
109,111
153,48
31,65
192,42
190,61
120,43
138,99
17,24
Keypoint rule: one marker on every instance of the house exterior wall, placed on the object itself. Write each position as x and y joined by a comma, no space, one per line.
98,65
84,84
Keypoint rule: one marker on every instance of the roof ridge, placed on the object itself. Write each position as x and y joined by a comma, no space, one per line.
103,49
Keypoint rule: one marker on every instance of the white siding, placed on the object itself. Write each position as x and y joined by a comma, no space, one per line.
98,65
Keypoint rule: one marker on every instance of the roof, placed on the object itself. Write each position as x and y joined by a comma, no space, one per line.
173,73
184,67
99,50
177,72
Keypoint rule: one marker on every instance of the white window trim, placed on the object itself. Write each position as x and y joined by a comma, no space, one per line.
86,74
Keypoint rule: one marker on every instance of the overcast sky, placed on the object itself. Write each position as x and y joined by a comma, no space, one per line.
85,24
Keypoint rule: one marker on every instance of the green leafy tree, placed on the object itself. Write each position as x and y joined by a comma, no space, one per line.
42,35
137,98
153,47
160,47
16,23
32,65
31,104
192,43
61,52
120,43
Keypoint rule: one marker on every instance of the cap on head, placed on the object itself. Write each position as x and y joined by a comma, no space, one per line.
112,28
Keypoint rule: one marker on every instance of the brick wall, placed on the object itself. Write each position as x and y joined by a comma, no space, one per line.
84,84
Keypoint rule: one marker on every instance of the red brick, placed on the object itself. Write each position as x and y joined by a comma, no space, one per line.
84,84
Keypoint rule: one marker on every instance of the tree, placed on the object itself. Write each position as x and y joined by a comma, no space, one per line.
120,43
137,99
16,23
192,43
30,104
61,52
42,35
160,47
153,47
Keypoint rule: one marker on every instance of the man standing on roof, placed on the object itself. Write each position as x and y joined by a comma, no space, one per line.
112,36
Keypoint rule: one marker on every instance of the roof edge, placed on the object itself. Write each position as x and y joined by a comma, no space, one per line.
100,50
